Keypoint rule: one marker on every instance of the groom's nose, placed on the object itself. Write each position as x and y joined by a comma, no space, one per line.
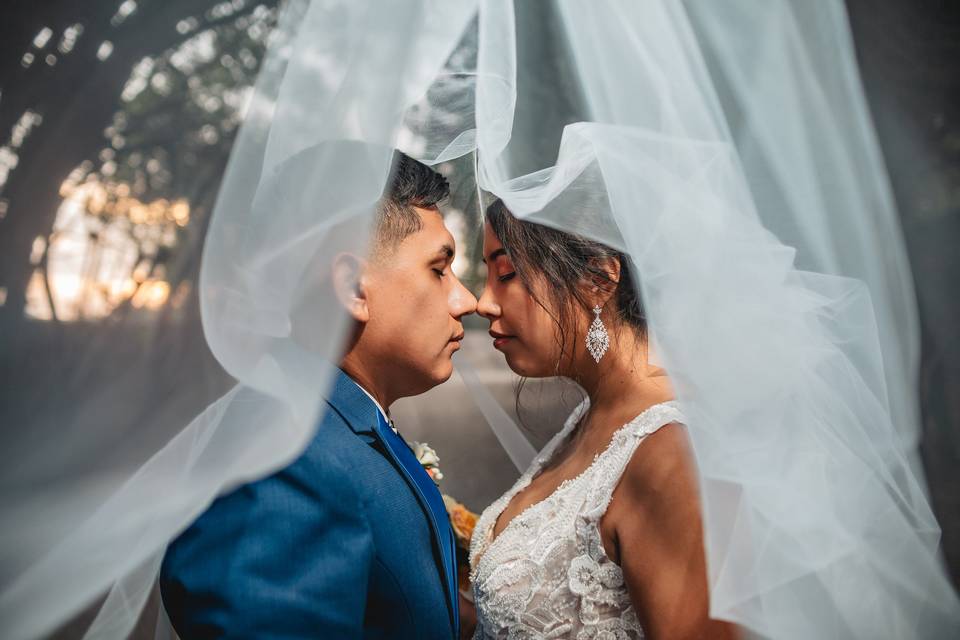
462,302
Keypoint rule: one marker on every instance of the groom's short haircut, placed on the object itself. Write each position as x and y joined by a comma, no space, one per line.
412,184
293,188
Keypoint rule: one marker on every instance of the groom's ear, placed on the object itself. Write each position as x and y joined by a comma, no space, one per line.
350,286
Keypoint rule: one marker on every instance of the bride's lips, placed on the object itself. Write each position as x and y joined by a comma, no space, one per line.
499,339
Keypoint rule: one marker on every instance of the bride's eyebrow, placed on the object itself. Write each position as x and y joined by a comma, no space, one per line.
496,253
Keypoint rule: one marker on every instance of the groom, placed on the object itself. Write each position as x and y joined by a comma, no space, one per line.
352,539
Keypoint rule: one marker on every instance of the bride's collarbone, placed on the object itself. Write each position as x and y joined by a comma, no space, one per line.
604,420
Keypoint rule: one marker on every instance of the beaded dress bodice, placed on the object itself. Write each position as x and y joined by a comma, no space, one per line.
547,574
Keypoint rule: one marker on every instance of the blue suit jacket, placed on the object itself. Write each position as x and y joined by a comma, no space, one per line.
340,544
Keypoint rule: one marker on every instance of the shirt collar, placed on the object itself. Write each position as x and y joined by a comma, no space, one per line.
386,418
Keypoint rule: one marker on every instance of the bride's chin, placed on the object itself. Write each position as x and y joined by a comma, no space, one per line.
520,367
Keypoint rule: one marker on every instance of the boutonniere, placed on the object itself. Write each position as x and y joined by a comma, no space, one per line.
429,459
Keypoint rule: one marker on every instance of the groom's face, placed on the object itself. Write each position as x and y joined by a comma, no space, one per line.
415,307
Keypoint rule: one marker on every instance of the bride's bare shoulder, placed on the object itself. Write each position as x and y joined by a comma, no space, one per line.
660,481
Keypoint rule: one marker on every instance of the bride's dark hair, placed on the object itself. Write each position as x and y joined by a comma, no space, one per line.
565,262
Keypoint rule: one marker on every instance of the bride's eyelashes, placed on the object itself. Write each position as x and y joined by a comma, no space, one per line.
507,276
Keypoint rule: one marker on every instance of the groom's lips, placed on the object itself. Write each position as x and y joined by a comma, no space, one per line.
499,339
455,340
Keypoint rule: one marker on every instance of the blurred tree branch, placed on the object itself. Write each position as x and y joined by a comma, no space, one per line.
77,97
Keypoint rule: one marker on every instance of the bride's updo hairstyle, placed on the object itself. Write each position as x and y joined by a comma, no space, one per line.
563,262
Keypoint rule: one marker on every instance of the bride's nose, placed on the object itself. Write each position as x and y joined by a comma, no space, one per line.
487,306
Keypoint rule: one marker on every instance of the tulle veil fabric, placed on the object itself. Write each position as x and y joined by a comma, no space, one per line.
726,147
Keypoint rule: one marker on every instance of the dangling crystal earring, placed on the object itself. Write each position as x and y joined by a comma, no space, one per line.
598,340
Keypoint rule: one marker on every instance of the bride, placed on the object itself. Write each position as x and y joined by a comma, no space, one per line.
602,535
741,175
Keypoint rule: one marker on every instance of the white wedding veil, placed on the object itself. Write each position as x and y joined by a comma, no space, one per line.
725,147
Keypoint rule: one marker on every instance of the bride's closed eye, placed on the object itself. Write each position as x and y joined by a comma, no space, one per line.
507,276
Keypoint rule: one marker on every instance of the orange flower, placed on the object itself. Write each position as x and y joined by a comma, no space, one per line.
462,520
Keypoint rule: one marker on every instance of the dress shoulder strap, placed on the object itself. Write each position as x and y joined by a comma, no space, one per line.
613,461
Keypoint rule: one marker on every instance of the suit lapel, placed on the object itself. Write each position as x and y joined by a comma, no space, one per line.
353,405
363,417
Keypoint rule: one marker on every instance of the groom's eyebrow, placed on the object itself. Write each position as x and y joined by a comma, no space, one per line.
446,252
496,253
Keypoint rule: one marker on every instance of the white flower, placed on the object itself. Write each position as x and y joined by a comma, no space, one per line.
429,459
593,583
583,576
425,454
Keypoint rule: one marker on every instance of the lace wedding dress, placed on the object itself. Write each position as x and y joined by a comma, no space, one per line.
547,574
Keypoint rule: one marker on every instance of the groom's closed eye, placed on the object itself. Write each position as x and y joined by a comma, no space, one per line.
442,260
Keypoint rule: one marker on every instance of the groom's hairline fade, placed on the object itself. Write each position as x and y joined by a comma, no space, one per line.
412,185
